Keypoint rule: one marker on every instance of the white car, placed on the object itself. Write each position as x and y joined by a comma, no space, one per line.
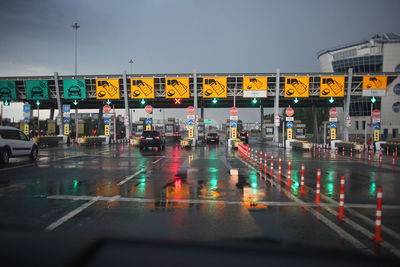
14,143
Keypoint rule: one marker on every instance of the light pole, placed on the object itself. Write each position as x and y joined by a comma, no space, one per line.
131,62
76,26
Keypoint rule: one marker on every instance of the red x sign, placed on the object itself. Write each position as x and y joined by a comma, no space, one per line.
178,101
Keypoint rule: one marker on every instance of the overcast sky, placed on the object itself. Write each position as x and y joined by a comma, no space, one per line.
175,36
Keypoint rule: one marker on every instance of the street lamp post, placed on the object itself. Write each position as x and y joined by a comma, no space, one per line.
131,62
76,26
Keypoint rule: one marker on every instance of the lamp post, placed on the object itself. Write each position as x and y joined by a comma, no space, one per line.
76,26
131,62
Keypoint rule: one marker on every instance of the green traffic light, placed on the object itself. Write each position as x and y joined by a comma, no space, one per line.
254,101
6,103
215,101
331,100
143,102
296,100
373,99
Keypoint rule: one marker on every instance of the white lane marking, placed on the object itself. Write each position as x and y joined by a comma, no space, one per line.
130,177
154,162
70,215
114,198
351,239
16,167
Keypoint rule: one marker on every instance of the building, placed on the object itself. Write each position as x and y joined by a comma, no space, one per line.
380,53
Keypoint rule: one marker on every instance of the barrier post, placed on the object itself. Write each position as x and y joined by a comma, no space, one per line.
301,191
341,199
271,173
377,237
265,163
289,173
279,168
318,187
261,160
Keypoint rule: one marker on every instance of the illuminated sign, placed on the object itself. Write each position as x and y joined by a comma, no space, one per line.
74,89
233,132
214,87
289,132
255,86
374,85
377,135
190,131
142,88
36,89
177,88
107,129
26,128
107,89
332,86
8,90
297,87
333,133
66,129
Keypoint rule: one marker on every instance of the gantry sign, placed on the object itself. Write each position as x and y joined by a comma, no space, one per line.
213,90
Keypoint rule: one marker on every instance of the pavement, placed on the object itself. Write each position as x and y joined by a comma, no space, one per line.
189,194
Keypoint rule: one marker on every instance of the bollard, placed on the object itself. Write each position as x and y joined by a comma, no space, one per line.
301,191
318,187
336,150
343,150
279,168
341,199
351,153
271,171
265,163
261,160
387,151
377,237
289,173
393,162
369,156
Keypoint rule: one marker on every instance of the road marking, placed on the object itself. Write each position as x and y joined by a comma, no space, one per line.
114,198
16,167
351,239
71,214
154,162
130,177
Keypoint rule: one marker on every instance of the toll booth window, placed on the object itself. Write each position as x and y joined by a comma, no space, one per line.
395,132
169,128
357,125
269,130
363,125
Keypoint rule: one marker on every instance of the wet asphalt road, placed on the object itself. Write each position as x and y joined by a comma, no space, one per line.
190,194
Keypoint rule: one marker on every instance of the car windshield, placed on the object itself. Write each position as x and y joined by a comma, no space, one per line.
150,134
212,134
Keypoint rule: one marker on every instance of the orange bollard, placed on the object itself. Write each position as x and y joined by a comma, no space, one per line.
378,218
318,187
289,173
301,191
341,199
279,168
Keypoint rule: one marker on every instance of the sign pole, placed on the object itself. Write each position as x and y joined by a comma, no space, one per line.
128,128
196,131
76,124
58,101
347,105
276,106
38,121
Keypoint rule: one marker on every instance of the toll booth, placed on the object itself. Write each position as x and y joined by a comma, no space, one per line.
269,130
137,127
299,130
201,129
172,130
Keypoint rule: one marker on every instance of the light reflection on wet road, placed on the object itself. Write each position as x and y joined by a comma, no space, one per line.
189,194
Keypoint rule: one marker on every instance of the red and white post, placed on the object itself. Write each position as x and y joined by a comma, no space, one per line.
271,170
318,187
279,168
289,173
378,218
260,161
301,191
341,199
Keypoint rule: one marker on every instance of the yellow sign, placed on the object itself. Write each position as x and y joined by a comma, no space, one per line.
377,135
177,88
148,127
297,86
214,87
233,132
333,133
289,133
142,88
81,128
66,129
332,86
255,83
51,127
107,130
107,88
190,131
374,82
26,128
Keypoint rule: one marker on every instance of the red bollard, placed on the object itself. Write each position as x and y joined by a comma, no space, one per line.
289,173
336,150
387,151
271,172
318,187
393,162
341,199
351,153
301,191
260,161
265,163
279,168
343,151
378,218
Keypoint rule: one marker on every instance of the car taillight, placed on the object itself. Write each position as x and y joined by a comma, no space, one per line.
142,137
157,137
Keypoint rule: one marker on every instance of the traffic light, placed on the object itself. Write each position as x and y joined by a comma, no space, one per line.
143,102
254,101
177,101
37,103
331,100
215,101
6,103
373,100
75,102
296,100
108,102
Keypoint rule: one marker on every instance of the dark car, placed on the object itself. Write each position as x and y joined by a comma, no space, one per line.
152,139
244,137
212,138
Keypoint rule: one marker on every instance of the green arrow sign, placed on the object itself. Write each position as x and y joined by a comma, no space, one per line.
36,89
8,90
74,89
